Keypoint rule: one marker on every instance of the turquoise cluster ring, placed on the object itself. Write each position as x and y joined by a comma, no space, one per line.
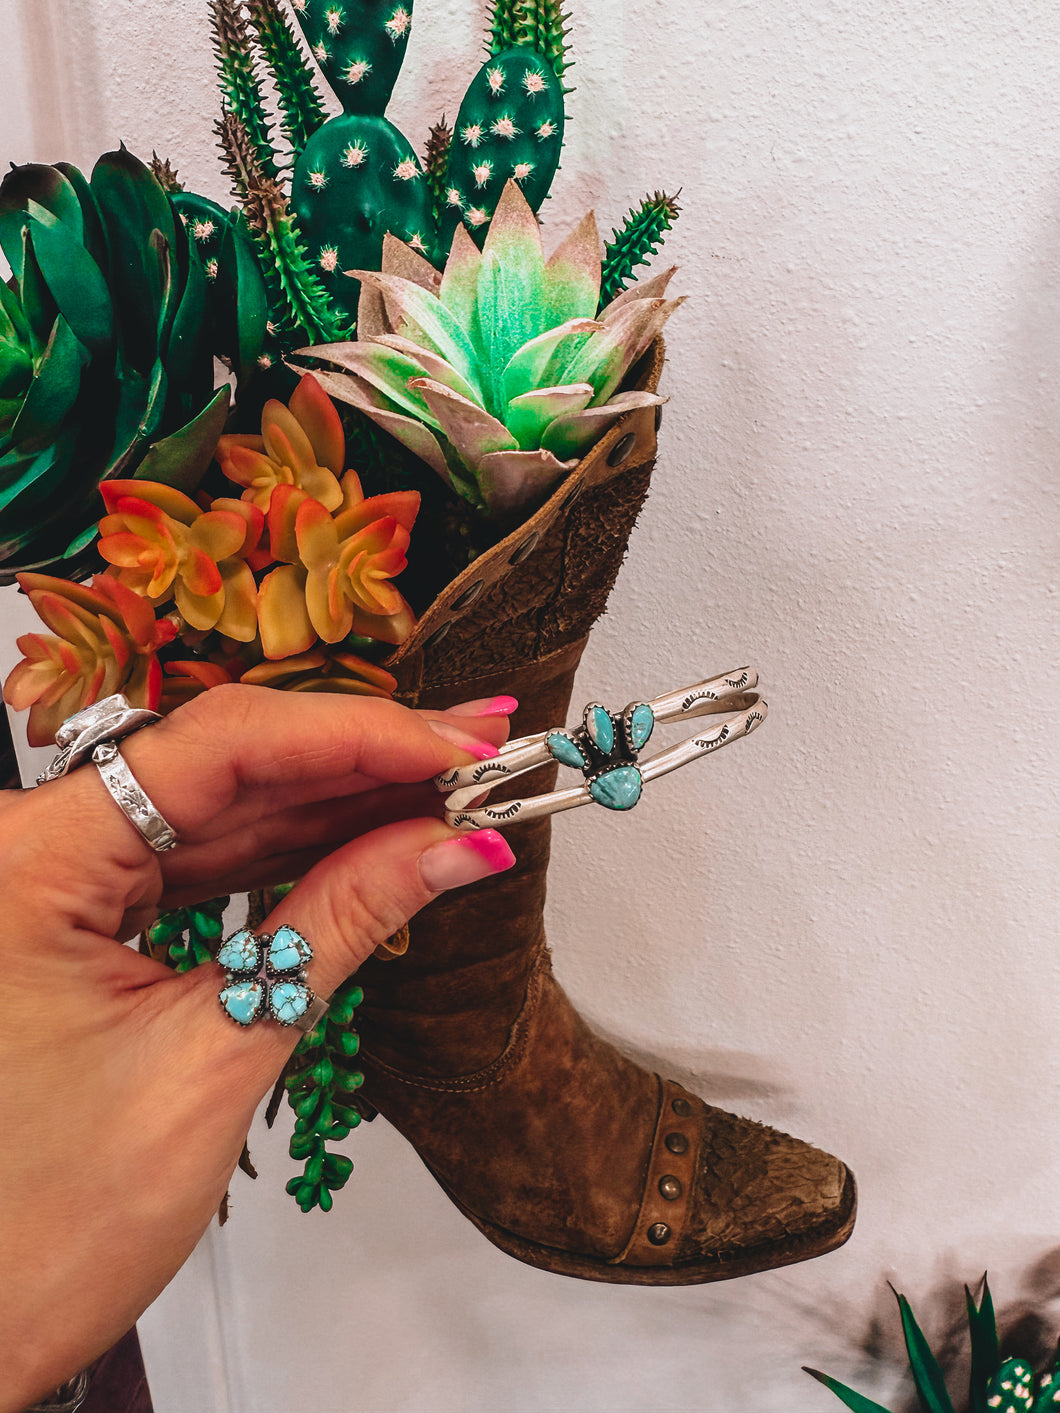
606,748
265,978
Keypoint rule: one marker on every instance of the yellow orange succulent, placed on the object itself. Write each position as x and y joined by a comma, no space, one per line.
301,445
162,543
105,639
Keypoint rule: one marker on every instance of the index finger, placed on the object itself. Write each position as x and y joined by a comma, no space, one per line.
298,747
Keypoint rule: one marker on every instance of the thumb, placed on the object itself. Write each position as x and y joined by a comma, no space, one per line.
366,891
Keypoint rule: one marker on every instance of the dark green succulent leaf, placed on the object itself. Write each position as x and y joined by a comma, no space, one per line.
982,1331
141,404
134,208
185,349
241,300
16,369
94,237
76,283
850,1397
12,312
53,391
927,1376
37,303
46,189
19,471
181,459
80,542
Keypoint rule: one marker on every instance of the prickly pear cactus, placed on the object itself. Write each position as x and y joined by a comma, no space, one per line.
510,125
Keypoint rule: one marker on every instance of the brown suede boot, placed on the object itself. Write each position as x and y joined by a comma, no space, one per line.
560,1150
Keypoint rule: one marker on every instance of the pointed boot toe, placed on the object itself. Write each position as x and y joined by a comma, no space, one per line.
726,1196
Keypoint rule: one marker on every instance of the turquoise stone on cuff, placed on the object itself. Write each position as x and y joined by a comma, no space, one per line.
242,1000
617,789
288,1000
239,952
288,950
641,725
563,749
601,729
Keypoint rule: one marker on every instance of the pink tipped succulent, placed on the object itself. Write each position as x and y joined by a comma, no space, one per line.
503,375
104,639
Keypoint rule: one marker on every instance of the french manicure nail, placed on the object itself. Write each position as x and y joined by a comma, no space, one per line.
481,750
485,706
465,860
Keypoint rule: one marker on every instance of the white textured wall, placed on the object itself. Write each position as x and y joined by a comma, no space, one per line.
845,926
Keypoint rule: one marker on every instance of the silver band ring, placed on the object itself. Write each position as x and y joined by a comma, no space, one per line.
127,794
606,749
111,719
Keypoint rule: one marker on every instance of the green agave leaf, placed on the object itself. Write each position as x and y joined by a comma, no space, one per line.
1011,1388
459,287
181,459
415,314
513,263
509,317
529,415
527,367
654,288
605,357
430,365
927,1376
982,1331
399,258
510,480
574,433
472,431
389,372
53,391
420,440
572,275
76,283
857,1402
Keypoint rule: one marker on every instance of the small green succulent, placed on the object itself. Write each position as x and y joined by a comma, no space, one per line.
499,374
995,1385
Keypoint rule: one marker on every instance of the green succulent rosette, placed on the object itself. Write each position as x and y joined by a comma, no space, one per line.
106,352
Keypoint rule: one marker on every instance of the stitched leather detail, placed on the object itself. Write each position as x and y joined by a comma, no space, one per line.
658,1231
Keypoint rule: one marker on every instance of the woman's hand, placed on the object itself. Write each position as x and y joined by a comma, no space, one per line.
127,1093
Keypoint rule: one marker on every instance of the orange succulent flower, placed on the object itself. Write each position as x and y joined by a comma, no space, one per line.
301,445
318,671
337,578
106,639
161,542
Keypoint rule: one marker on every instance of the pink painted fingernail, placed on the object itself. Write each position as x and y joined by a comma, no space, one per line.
464,860
481,750
485,706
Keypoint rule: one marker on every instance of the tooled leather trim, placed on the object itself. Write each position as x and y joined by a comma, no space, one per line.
540,973
672,1170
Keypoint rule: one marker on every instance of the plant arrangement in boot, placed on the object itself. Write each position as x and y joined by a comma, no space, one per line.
996,1385
106,351
501,375
277,586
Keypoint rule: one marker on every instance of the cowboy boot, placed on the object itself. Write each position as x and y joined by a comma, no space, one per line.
560,1150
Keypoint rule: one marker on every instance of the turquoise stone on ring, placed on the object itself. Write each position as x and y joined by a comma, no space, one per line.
240,952
243,1000
566,751
288,950
288,1000
617,789
601,728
